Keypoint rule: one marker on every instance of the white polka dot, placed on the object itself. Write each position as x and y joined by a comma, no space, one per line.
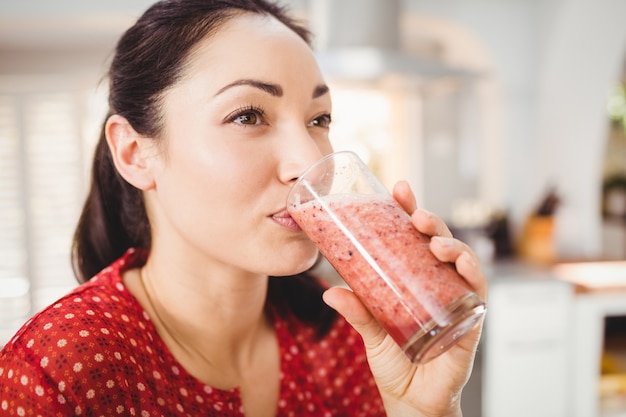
90,312
30,344
61,386
5,405
119,409
175,370
98,357
47,326
144,413
180,408
43,362
133,342
108,315
78,411
78,367
183,392
39,390
61,342
24,380
218,406
208,389
117,355
61,399
57,305
77,300
20,411
91,394
199,399
115,298
110,383
125,318
119,286
156,374
69,316
104,330
161,401
141,386
83,333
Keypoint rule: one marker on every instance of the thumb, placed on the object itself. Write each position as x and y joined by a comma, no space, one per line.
346,303
391,368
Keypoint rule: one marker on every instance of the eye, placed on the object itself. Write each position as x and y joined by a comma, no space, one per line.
321,121
249,115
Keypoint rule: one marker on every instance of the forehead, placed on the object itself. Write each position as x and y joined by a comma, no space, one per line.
253,45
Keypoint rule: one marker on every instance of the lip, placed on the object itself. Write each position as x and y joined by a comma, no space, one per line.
284,219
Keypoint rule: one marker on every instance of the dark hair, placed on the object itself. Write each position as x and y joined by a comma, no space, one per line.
149,58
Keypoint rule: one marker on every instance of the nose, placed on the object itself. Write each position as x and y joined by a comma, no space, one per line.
299,152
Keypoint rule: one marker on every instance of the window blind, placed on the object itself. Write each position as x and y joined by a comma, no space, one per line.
44,151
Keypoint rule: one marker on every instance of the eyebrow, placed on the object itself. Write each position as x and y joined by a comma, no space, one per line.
272,89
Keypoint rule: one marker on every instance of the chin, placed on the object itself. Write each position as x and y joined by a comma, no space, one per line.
296,264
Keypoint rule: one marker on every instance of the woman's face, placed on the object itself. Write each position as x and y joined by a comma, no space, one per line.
250,113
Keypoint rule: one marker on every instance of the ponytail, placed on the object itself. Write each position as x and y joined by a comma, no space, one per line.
113,218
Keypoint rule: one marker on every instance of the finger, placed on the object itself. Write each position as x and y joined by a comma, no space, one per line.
346,303
448,249
430,224
404,195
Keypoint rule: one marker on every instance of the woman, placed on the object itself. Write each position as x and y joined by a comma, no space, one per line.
201,303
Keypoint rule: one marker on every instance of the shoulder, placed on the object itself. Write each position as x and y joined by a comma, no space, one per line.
100,306
85,336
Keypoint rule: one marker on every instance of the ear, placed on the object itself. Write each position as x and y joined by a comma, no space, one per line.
128,149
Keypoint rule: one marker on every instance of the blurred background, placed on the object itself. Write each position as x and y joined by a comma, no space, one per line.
508,118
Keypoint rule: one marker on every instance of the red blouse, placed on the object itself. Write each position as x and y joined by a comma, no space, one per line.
95,352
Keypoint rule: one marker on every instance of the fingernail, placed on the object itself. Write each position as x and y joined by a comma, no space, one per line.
470,259
444,241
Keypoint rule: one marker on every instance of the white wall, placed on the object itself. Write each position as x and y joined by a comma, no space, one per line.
556,60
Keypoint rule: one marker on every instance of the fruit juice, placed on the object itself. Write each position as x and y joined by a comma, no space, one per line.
372,243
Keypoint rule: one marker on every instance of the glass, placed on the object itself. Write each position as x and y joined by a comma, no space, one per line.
422,303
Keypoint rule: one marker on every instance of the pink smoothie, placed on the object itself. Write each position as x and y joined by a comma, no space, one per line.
401,282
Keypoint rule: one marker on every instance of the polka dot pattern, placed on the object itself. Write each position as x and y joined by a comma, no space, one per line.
95,352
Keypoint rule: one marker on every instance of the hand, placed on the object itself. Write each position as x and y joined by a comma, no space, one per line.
433,389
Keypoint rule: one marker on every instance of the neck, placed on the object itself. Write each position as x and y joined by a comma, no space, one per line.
212,323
